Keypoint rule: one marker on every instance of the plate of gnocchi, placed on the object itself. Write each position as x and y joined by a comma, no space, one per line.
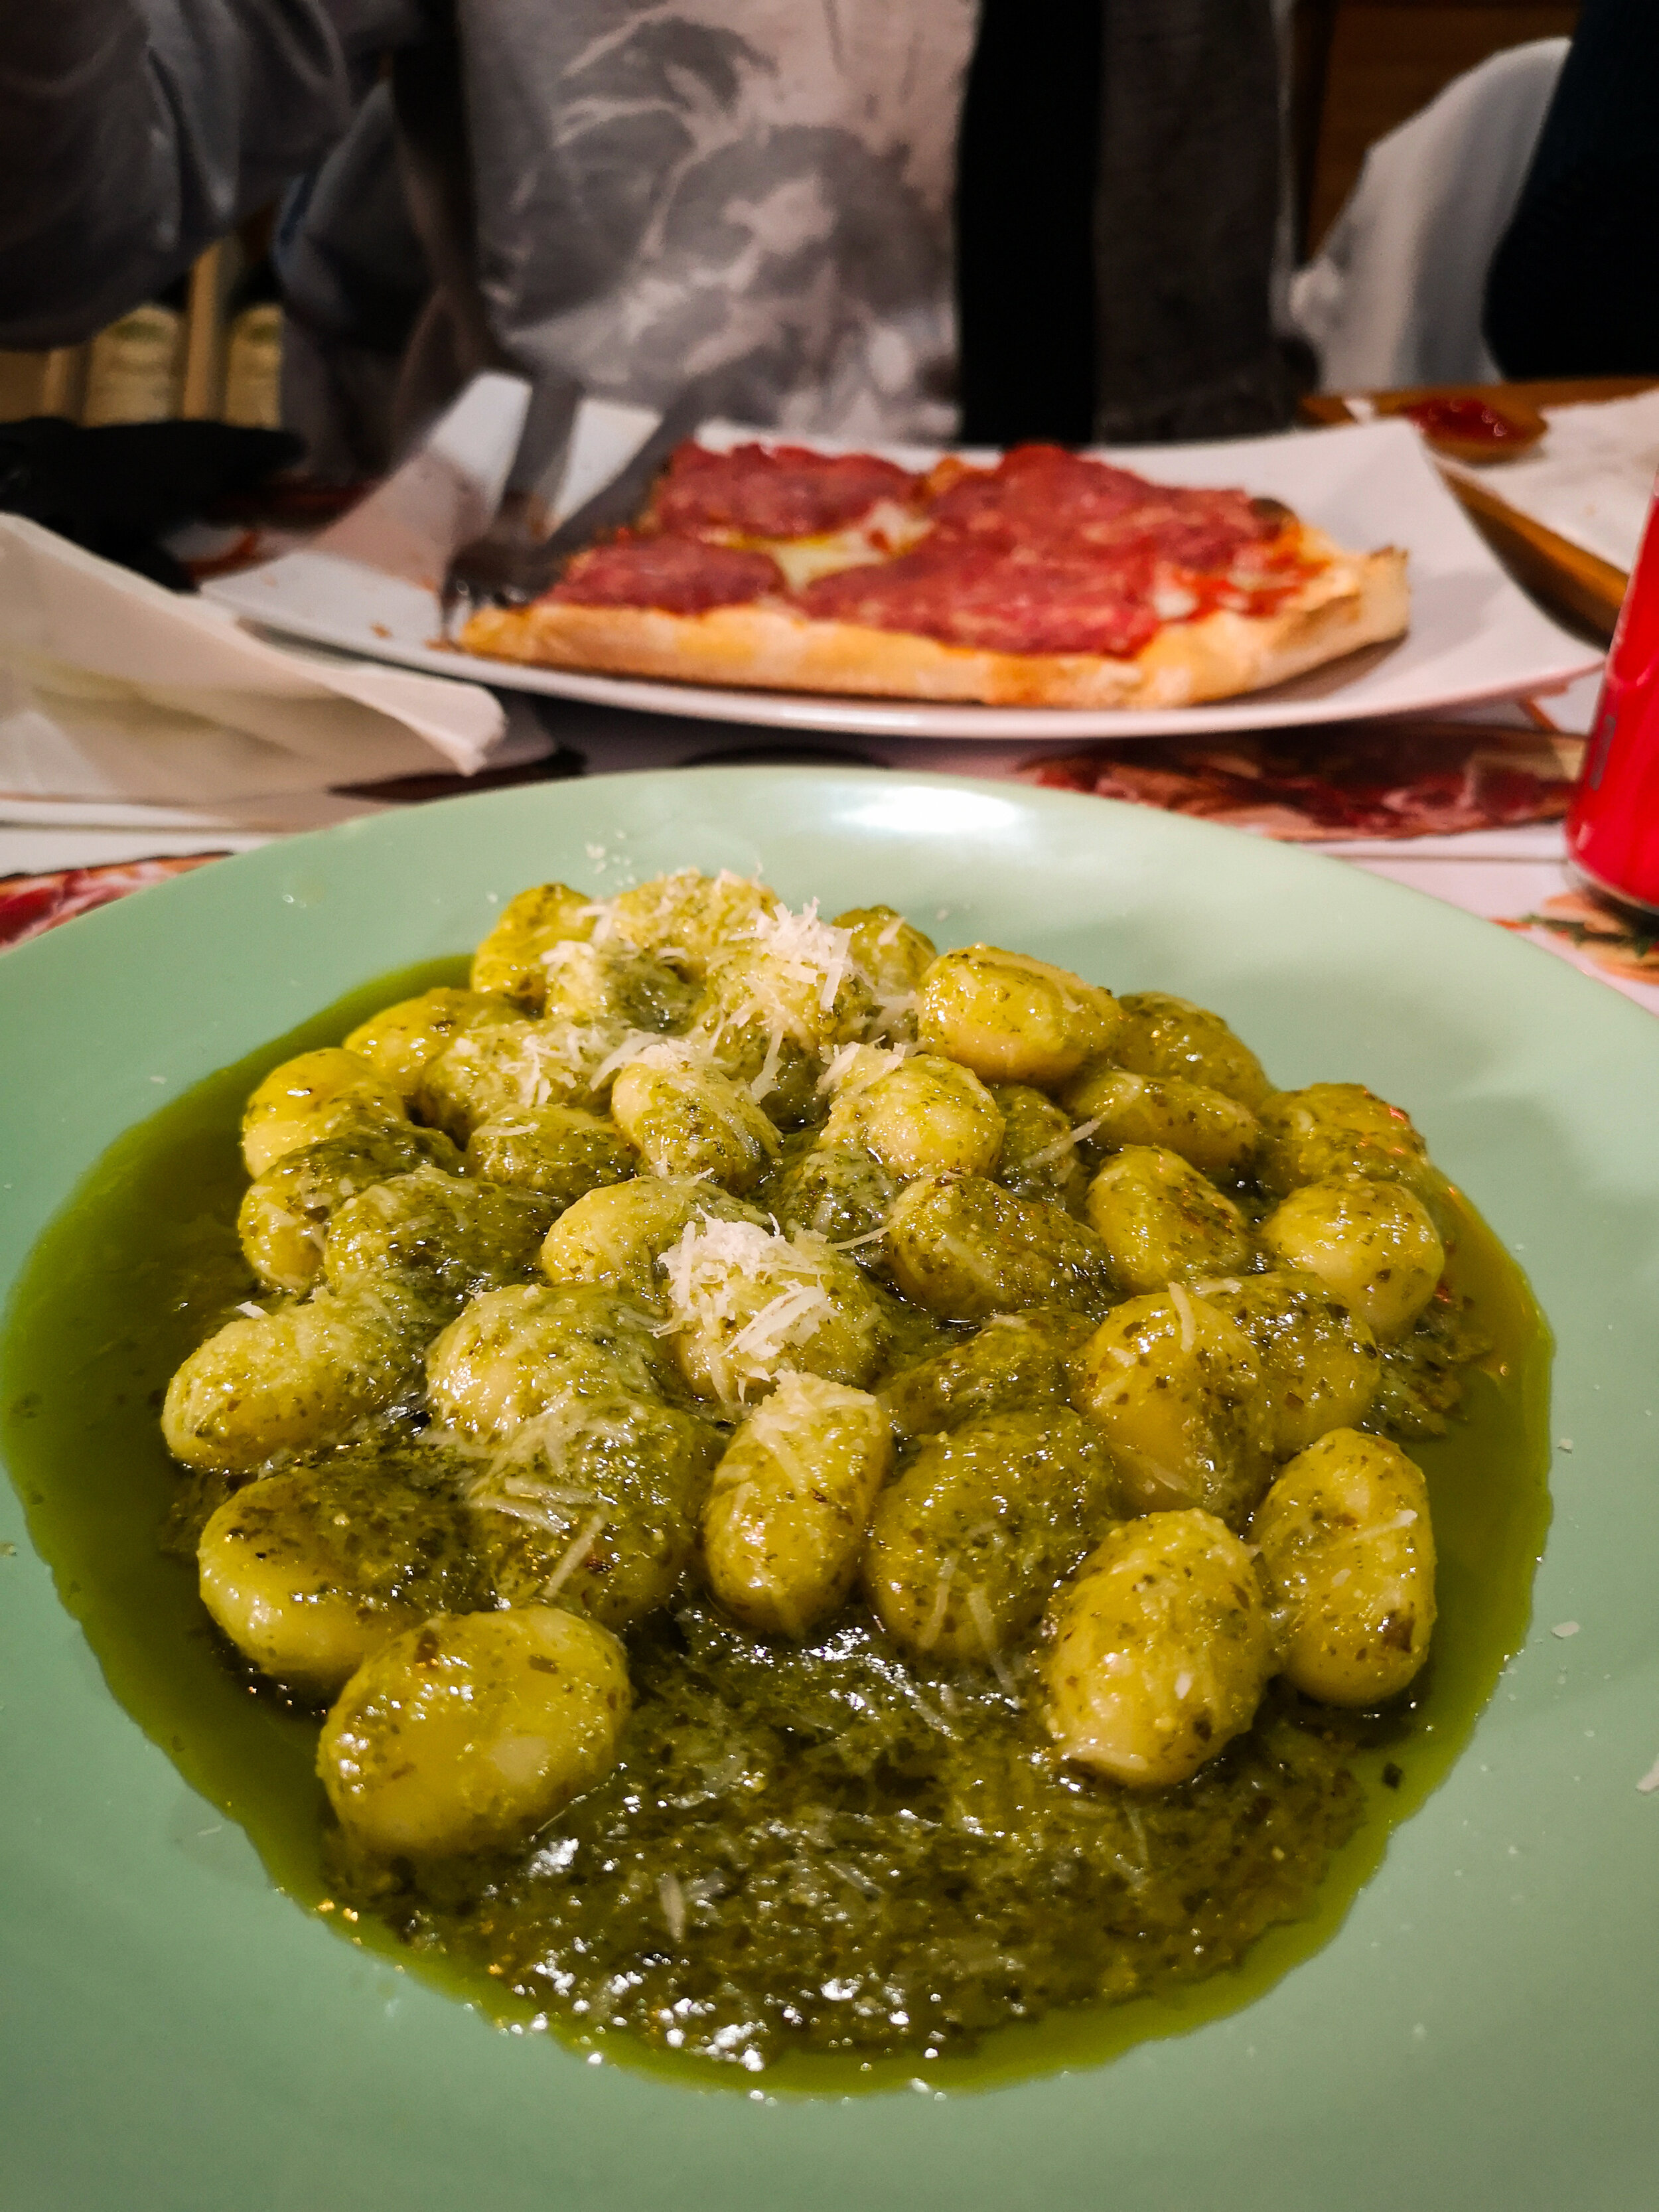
800,1472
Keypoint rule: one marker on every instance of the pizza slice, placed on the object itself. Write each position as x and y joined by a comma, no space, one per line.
1047,579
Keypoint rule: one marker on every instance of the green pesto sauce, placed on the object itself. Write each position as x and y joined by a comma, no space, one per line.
795,1846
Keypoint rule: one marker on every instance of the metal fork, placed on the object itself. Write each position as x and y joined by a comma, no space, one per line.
504,571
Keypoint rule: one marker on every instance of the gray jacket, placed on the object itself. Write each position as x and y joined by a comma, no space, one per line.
615,196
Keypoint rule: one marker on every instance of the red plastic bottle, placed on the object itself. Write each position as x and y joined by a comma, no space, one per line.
1613,830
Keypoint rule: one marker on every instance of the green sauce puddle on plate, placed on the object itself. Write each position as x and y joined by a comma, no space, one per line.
143,1262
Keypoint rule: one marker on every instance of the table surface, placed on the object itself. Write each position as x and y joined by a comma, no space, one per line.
1518,878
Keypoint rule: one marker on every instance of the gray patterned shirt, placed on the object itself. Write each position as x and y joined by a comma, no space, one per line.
618,196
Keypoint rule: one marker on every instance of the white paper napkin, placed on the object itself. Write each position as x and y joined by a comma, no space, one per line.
112,688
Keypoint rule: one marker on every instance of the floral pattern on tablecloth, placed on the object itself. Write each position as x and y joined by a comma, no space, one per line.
1608,940
1338,781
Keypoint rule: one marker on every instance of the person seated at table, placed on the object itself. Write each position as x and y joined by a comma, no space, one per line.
883,219
1573,288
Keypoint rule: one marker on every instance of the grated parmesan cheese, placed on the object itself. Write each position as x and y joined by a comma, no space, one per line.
789,983
1083,1131
651,1050
856,1067
979,1613
930,1634
673,1899
810,948
573,1559
714,1275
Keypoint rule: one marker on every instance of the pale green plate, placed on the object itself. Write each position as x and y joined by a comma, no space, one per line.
1483,2030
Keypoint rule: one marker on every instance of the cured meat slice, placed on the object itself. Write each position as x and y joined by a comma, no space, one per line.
772,491
682,576
1351,780
1018,602
1043,496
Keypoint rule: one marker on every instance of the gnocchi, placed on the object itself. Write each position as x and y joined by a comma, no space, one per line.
1161,1650
777,1351
786,1517
1347,1547
470,1731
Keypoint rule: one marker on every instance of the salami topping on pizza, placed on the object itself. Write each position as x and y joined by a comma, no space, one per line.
1015,601
1047,578
682,575
772,491
1042,496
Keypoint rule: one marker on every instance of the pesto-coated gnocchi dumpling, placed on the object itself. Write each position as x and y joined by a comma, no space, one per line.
1164,1036
1159,1650
618,1236
516,1353
965,1249
1210,1131
1013,1019
1015,1362
587,983
318,1095
774,1010
1039,1158
594,1505
966,1546
285,1212
926,1116
1334,1129
444,1236
750,1307
1371,1243
559,1152
894,956
687,1119
1174,1386
509,962
784,1523
1161,1221
307,1571
513,1068
1348,1551
400,1040
686,919
840,1195
1320,1363
470,1732
266,1387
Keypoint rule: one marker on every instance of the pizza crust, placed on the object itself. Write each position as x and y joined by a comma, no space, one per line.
1354,600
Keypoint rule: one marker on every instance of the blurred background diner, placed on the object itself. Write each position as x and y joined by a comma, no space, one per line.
1088,220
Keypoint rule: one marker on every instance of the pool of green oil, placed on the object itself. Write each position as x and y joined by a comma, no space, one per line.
143,1263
